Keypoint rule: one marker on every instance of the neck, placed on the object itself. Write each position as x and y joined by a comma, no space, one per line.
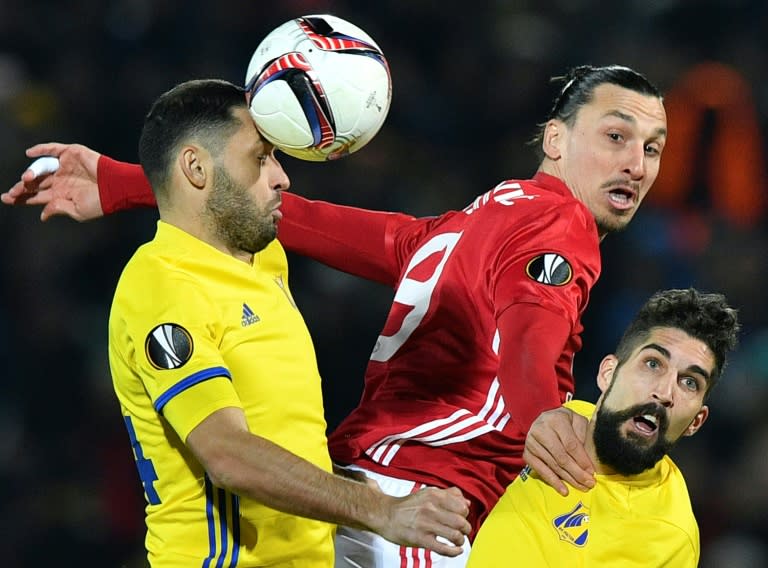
193,224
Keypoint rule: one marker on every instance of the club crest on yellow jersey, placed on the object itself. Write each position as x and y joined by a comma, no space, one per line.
572,526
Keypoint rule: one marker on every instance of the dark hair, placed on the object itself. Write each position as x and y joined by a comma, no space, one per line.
706,317
198,110
579,86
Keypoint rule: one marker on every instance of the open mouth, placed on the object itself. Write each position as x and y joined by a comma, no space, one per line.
646,424
622,197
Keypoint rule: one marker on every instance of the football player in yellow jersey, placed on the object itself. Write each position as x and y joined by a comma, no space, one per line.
215,370
639,512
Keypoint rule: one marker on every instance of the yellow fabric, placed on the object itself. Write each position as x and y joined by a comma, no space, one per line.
640,521
250,349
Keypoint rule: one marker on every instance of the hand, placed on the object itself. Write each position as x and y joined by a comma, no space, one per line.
554,448
431,518
71,191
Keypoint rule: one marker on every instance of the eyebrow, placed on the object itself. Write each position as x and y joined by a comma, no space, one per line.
631,119
667,355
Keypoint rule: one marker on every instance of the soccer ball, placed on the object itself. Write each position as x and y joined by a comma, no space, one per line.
318,87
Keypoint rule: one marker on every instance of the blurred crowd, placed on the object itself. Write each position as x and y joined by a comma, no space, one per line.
470,84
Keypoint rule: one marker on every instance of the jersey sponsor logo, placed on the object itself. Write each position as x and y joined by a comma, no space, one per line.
248,316
572,526
549,268
168,346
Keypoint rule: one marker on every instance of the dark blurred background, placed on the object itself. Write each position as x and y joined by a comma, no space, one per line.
470,83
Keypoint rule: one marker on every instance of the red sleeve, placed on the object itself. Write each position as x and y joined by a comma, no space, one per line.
532,340
122,186
356,241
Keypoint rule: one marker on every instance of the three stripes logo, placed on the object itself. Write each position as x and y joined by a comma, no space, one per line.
168,346
549,268
248,316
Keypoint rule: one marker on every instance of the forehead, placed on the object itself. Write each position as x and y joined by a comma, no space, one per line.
612,101
684,350
247,138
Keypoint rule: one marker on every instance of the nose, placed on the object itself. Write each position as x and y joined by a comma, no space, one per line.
664,389
635,166
279,179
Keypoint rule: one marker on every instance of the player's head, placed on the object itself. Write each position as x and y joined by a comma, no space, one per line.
208,164
654,387
604,137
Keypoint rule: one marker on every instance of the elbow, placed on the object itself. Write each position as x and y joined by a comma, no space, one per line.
224,472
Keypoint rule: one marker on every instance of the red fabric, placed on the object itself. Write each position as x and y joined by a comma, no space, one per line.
474,347
365,236
122,186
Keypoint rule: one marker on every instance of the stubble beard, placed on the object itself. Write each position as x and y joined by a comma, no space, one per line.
237,220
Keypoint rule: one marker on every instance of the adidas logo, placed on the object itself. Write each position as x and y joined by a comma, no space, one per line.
248,316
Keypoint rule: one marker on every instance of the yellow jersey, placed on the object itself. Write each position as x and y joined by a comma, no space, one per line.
193,330
638,521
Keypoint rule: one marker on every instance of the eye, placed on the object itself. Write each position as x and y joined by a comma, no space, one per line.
690,383
652,363
615,136
263,159
652,150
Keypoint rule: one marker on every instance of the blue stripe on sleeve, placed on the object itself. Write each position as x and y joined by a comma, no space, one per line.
190,381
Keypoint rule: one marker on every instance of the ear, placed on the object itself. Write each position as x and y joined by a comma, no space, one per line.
605,372
698,420
192,162
554,132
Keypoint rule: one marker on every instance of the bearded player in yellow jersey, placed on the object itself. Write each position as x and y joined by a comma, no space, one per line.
639,513
215,370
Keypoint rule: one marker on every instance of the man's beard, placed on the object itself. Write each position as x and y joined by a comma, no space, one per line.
238,221
630,454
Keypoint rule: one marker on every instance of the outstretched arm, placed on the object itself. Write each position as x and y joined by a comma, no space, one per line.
252,466
357,241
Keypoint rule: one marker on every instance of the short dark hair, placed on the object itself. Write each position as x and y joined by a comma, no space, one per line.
201,110
706,317
578,89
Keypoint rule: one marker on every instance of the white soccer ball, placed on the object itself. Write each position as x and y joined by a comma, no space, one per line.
319,87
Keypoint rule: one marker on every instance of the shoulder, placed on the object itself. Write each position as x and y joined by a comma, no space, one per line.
534,203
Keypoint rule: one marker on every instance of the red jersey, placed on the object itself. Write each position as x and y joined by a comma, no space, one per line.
481,335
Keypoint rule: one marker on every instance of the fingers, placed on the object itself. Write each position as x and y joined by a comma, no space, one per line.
46,149
43,165
60,207
431,518
441,547
531,455
556,467
447,518
555,448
